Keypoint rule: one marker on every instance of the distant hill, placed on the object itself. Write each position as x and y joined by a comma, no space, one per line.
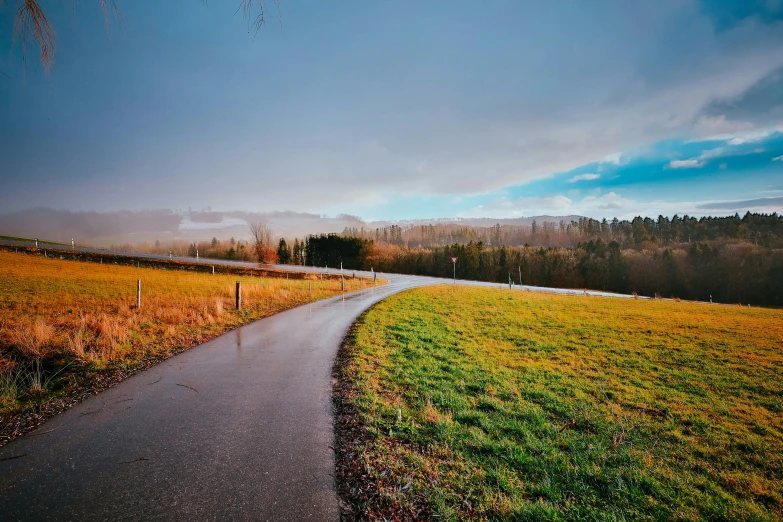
476,222
125,226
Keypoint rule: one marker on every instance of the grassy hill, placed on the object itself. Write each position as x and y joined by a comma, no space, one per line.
468,403
15,238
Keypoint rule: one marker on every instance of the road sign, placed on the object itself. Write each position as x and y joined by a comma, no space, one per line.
454,260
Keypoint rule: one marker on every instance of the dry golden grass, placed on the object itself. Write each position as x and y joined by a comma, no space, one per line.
57,314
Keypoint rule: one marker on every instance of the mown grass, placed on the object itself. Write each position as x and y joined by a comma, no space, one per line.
15,238
498,405
66,323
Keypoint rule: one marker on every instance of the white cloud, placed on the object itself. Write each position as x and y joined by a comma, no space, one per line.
779,158
613,158
718,152
719,128
610,201
612,205
584,177
686,164
755,135
712,153
606,205
505,207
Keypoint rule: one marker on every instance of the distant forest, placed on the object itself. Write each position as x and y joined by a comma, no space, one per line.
761,229
727,259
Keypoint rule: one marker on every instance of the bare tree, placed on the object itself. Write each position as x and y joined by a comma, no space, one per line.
262,242
31,23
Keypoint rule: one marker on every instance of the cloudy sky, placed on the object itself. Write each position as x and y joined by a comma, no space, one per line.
401,110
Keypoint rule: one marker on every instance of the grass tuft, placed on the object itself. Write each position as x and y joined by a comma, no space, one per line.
33,338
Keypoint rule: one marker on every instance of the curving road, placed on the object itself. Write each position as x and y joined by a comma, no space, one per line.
238,428
422,280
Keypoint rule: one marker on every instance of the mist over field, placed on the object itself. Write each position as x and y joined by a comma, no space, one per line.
133,227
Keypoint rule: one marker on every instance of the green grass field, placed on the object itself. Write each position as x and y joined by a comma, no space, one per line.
470,403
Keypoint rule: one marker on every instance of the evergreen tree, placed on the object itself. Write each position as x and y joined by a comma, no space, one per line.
283,252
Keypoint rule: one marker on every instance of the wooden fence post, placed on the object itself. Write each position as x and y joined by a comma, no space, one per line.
138,295
239,296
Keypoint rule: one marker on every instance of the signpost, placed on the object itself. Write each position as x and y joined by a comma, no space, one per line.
454,262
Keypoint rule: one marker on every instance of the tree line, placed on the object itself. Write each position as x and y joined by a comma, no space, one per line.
723,270
762,229
727,259
231,249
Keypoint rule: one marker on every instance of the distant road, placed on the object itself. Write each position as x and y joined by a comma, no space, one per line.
237,428
308,269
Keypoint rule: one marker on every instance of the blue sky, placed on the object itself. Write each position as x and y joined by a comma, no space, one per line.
401,110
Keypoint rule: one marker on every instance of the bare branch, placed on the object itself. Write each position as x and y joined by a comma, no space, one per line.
110,5
247,8
262,239
31,22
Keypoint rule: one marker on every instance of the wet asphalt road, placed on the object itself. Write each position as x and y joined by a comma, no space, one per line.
238,428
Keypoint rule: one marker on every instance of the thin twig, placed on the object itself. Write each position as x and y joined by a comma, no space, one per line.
189,387
567,425
39,434
134,460
14,457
